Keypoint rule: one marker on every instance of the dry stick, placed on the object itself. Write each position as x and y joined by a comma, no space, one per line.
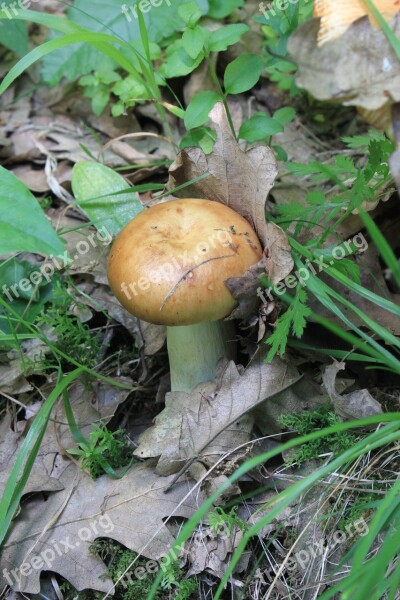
183,277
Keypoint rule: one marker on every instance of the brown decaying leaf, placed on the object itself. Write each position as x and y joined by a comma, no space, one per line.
241,180
358,69
191,423
91,403
61,528
355,405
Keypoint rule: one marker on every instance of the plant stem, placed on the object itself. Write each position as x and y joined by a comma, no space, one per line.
194,351
222,94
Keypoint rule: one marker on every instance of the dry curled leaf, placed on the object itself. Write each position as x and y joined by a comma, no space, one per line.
241,180
191,423
360,68
90,403
355,405
61,528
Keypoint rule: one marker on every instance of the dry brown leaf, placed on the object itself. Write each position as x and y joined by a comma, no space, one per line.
191,423
355,405
91,403
212,552
358,69
61,528
241,180
10,443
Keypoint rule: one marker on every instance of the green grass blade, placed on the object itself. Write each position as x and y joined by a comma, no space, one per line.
96,40
382,245
13,490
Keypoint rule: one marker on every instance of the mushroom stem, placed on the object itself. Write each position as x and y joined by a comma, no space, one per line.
194,351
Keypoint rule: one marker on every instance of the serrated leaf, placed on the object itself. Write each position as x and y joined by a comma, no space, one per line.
23,225
191,423
97,190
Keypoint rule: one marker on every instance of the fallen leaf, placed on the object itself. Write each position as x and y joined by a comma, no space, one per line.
90,403
241,180
355,405
191,423
59,529
360,68
10,442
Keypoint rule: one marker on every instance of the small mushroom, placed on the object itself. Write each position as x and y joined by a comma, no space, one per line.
168,266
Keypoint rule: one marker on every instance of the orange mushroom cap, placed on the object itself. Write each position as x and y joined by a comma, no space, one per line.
168,265
337,16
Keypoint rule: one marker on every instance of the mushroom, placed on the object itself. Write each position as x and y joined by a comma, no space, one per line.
168,266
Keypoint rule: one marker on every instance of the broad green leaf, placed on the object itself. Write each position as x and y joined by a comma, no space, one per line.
178,62
219,9
199,107
14,36
204,137
161,19
189,13
226,36
243,73
97,190
193,40
259,127
23,225
285,115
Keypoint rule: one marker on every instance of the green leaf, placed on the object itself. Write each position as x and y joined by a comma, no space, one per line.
178,62
243,73
193,40
14,36
285,115
189,13
100,100
23,225
259,127
161,20
204,137
97,190
197,111
226,36
221,9
129,88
